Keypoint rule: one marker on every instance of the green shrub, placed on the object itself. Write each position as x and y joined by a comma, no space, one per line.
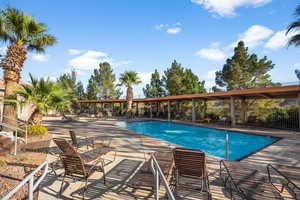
3,163
34,130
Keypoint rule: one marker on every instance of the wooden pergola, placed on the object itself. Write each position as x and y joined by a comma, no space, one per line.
282,92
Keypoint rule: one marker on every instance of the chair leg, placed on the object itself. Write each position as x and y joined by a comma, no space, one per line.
85,188
61,186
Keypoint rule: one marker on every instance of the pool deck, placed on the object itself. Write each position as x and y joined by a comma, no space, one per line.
130,147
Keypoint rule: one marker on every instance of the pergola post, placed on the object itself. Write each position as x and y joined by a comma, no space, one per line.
95,108
151,110
232,111
137,109
298,104
113,108
169,111
193,111
157,110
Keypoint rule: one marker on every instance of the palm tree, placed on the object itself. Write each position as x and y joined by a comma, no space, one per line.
44,95
128,79
23,33
295,27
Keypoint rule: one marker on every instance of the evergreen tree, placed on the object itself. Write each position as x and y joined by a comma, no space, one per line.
243,71
173,79
178,80
192,83
102,82
155,88
80,91
91,89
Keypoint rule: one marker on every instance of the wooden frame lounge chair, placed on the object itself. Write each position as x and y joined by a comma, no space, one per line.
244,180
67,148
75,167
190,164
82,142
290,178
144,179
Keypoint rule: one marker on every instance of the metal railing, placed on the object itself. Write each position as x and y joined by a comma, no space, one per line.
20,122
158,174
32,185
14,135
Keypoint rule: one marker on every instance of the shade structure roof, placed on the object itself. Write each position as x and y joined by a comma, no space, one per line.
255,93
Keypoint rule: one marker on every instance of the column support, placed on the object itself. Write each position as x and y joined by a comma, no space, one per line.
151,110
169,111
232,111
157,109
137,109
298,104
193,111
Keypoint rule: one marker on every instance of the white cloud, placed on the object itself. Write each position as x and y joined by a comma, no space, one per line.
227,7
211,74
39,57
213,54
297,65
91,60
170,28
174,30
253,36
145,77
95,54
279,40
74,51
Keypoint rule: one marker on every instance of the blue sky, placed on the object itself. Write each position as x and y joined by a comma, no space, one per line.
147,35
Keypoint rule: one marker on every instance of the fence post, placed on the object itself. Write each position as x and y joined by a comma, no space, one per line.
226,146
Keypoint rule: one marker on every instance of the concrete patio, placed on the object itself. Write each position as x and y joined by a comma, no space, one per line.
130,147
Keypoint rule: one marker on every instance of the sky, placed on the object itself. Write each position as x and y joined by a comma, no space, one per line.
145,35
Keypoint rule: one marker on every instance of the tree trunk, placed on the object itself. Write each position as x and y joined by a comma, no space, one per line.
129,101
12,65
36,117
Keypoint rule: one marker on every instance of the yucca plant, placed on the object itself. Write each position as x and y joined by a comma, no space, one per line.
128,79
22,33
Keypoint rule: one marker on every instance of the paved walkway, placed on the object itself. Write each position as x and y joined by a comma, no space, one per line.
130,147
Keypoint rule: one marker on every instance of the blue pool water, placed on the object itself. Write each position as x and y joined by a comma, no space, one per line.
211,141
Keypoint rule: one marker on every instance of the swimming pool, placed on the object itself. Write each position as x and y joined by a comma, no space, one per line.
211,141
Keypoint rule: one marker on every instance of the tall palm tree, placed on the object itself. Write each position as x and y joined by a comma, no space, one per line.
128,79
44,95
295,27
23,33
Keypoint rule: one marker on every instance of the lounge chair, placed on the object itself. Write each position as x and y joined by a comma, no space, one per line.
244,180
67,148
82,142
143,178
75,166
290,178
190,164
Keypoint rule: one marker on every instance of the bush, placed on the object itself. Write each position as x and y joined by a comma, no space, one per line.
34,130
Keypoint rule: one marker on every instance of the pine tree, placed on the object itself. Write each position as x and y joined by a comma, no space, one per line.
155,88
173,79
102,82
244,71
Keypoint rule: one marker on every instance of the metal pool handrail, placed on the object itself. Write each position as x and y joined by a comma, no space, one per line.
16,129
30,181
19,121
156,170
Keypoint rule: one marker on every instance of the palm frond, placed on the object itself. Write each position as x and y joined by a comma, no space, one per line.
294,40
38,44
